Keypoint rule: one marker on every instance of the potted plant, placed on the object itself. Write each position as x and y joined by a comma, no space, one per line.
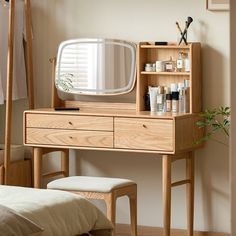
216,120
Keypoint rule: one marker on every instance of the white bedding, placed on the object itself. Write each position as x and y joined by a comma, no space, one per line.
58,212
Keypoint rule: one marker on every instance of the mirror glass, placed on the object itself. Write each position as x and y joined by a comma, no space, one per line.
96,67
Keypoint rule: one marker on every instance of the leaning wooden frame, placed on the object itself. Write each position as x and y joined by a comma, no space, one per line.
18,172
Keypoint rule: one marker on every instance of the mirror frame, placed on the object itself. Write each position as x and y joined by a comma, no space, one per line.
103,92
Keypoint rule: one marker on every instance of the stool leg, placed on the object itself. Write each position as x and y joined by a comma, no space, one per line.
133,213
110,201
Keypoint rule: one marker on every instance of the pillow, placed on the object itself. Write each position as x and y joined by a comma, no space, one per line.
14,224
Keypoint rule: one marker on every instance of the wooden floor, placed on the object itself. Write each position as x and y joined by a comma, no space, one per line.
124,230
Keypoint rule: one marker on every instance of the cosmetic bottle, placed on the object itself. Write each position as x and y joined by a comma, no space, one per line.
175,102
147,101
182,101
186,63
167,90
160,66
180,63
160,99
153,98
174,87
168,102
170,65
148,67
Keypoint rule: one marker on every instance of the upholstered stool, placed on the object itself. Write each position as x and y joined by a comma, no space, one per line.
107,189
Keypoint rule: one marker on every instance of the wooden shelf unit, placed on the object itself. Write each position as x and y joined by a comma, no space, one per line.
149,53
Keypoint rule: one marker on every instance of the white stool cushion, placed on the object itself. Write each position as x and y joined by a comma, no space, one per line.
88,184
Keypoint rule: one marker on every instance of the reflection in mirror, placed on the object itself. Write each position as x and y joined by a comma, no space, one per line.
96,67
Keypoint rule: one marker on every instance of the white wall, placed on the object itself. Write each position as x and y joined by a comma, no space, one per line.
140,20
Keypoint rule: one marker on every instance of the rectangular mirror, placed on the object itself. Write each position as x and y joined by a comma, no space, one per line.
95,67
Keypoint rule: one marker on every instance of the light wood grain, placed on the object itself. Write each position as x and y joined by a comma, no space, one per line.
190,193
65,162
140,131
196,79
38,155
150,53
29,53
69,122
144,134
110,199
37,161
124,230
100,105
9,87
166,180
187,139
19,173
111,112
142,83
1,174
69,137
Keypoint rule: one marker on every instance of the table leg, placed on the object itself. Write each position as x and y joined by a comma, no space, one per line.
65,162
190,193
37,163
166,178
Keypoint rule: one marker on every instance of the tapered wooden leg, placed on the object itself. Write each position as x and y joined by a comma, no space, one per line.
166,178
37,162
65,162
111,209
190,193
133,213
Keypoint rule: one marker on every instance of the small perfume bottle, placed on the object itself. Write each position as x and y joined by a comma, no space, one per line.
170,65
180,62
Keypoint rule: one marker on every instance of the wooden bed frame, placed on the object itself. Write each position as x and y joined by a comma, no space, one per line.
18,172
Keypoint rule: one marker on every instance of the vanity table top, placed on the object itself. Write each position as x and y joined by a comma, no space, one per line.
113,112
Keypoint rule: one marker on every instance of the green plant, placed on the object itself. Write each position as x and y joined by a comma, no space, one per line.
215,120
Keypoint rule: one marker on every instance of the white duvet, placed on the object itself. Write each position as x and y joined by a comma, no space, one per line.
58,212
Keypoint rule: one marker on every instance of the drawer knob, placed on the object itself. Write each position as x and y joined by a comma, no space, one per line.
70,123
144,126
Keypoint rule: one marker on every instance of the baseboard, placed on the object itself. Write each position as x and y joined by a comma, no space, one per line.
124,230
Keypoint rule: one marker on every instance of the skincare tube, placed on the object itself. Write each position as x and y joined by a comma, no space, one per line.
153,98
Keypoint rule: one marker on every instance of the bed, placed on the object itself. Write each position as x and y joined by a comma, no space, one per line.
53,212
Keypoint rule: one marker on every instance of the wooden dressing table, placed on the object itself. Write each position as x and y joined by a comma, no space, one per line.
126,127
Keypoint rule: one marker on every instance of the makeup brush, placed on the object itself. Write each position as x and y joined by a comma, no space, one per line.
181,32
188,23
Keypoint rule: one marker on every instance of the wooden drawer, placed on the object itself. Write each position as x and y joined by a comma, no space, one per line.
59,121
143,134
70,138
